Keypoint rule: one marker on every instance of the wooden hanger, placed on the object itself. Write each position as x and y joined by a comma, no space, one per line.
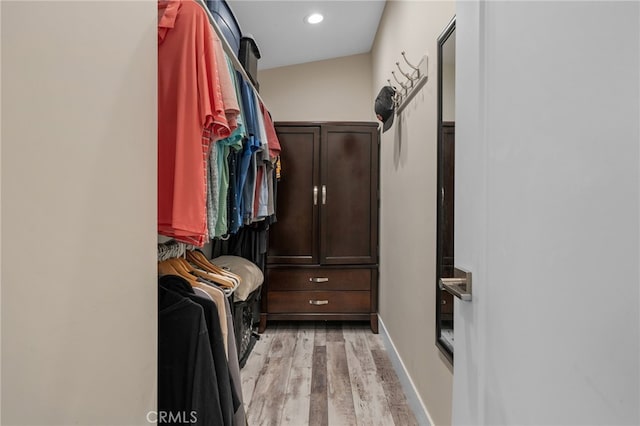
168,267
202,261
199,259
186,268
216,278
177,266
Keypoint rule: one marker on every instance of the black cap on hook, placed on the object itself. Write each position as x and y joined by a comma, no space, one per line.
385,106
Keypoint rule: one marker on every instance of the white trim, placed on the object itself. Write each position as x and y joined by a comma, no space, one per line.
410,390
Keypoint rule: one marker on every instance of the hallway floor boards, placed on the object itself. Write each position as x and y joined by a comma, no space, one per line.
322,373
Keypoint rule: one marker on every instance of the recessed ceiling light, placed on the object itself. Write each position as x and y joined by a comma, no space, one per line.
314,18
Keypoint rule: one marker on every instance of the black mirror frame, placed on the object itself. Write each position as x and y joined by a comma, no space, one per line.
446,350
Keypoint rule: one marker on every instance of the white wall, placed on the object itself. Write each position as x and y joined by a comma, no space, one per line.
334,89
547,213
408,204
78,175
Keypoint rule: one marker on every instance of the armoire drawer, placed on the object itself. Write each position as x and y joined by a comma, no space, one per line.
319,301
305,279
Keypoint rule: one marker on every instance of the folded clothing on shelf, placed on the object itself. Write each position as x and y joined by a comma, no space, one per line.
252,276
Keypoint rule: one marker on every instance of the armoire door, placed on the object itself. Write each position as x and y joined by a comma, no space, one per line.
293,239
349,194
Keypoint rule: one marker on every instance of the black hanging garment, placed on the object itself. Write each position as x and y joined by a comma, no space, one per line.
228,398
187,383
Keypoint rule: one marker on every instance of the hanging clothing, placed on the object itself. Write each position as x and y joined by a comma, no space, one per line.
250,145
274,152
260,210
228,398
190,112
210,126
187,381
213,190
272,136
240,416
233,208
227,87
248,190
178,267
224,149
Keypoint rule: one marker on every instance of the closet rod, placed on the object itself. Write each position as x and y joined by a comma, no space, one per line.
227,48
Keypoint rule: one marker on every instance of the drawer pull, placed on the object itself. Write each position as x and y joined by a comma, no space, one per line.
318,302
319,280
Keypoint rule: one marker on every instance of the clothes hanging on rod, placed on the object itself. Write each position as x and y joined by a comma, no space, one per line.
190,111
210,125
206,282
219,400
187,381
239,418
220,159
229,50
269,166
192,277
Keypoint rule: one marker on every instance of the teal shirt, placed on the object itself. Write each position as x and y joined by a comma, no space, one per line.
222,149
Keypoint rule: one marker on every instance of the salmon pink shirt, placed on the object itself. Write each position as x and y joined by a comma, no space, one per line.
190,114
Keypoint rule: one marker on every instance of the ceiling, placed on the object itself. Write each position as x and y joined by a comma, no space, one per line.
283,37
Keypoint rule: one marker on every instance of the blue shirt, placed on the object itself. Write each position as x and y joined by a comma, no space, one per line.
250,146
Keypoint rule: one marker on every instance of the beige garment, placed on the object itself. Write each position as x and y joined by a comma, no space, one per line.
252,276
218,298
204,294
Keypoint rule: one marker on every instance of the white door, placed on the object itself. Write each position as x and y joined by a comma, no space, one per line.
547,213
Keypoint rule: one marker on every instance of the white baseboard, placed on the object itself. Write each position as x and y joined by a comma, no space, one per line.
413,398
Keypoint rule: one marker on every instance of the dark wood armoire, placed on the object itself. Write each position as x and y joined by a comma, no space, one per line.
322,261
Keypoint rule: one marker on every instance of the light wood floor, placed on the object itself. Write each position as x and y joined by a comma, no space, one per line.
323,373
